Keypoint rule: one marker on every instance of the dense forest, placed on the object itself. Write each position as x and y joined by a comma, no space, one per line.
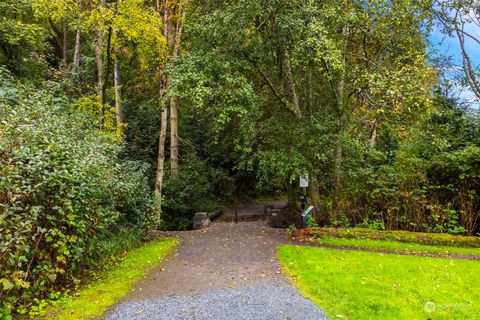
122,116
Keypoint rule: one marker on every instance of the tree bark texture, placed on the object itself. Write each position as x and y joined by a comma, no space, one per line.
65,44
76,57
118,95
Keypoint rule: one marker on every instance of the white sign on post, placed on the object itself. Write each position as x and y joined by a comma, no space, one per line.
304,181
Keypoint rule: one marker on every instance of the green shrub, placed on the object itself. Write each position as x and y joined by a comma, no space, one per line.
422,179
62,189
311,223
371,224
341,221
401,236
291,230
190,191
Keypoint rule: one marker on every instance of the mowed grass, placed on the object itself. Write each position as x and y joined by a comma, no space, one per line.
370,285
115,282
391,245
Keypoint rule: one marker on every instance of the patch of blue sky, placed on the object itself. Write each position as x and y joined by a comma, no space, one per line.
448,47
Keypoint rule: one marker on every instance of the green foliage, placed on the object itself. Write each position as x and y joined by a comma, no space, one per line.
291,230
342,221
371,224
322,58
61,190
112,283
311,223
426,180
21,38
204,181
269,90
103,115
192,190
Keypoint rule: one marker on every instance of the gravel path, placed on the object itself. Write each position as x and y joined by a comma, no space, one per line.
263,300
226,271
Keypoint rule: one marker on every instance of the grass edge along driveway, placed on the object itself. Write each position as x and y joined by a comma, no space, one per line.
398,247
370,285
93,300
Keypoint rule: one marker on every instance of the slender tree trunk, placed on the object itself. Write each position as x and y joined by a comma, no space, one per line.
161,161
65,40
338,158
337,171
291,85
118,96
468,67
173,36
164,119
100,69
108,65
294,106
76,57
313,191
373,133
174,101
310,93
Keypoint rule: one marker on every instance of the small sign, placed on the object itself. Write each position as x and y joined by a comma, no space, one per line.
304,181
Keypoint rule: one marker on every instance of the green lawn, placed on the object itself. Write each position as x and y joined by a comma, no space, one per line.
114,283
368,285
391,245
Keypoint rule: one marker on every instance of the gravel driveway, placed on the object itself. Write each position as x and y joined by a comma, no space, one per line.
258,301
226,271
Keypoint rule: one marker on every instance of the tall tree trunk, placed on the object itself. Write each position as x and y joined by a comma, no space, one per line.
174,135
373,133
338,157
108,65
291,85
313,191
76,58
310,93
161,160
294,106
164,118
174,42
64,46
99,61
338,171
100,68
118,96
